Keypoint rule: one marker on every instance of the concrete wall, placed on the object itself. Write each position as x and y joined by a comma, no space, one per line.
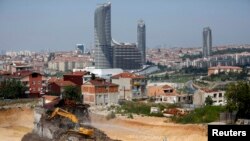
106,99
200,96
124,83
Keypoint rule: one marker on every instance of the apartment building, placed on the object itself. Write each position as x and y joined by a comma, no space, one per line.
167,94
217,96
131,86
99,92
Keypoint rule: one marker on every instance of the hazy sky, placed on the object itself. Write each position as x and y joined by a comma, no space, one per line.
60,24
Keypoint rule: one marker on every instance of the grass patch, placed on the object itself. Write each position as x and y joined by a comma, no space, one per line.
201,115
141,108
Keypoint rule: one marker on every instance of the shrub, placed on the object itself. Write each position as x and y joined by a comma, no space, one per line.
201,115
130,116
110,115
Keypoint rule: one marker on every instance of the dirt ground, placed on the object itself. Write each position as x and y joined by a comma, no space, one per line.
149,129
15,123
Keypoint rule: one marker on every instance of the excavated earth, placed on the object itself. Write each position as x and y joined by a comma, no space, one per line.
17,123
55,129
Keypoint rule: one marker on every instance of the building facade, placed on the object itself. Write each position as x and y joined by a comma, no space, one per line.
207,42
167,94
75,77
57,86
217,96
131,86
126,56
35,83
80,48
99,92
141,39
102,29
225,69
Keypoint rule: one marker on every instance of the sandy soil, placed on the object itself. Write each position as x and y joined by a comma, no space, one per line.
149,129
15,123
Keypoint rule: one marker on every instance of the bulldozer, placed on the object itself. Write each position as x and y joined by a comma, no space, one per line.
88,133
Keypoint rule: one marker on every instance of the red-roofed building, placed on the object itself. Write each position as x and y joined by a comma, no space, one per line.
99,92
167,94
36,83
75,77
131,86
56,85
226,69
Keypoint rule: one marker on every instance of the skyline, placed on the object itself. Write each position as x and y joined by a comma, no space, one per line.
48,24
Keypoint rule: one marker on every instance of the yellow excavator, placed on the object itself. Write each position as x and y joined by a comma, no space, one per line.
74,119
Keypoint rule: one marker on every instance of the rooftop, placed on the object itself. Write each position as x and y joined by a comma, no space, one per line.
101,83
127,75
78,73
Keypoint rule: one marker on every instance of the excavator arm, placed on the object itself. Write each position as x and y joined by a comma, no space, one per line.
64,113
74,119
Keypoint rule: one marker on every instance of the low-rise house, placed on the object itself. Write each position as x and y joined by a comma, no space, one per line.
167,94
226,69
99,92
35,83
56,86
217,96
17,67
131,86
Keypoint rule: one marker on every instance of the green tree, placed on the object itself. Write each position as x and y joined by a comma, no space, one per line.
209,100
166,76
238,99
72,93
11,89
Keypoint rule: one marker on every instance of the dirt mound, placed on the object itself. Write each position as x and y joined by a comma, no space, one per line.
15,123
148,129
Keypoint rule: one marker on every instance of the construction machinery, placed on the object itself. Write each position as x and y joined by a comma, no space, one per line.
77,129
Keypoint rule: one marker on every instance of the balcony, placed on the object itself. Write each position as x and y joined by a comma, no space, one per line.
137,83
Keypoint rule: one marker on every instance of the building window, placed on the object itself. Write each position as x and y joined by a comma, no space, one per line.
220,94
215,95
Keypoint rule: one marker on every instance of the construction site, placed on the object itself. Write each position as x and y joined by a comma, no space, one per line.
63,121
74,122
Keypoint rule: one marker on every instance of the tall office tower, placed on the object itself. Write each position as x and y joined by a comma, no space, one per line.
103,50
141,39
80,48
126,56
207,42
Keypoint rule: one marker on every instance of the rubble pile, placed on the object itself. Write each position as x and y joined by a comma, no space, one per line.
57,129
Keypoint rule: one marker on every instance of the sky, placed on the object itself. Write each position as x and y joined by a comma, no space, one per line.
58,25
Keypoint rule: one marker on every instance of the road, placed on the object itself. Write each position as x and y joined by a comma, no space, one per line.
190,88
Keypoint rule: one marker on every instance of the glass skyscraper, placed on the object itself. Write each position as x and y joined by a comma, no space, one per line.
207,42
141,39
102,27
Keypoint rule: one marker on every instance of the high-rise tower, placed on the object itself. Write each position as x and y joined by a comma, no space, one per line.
103,50
141,39
207,42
